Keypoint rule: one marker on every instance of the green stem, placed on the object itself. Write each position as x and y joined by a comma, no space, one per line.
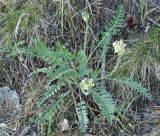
115,68
85,37
103,65
103,77
50,125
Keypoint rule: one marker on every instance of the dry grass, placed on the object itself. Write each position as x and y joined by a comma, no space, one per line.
61,20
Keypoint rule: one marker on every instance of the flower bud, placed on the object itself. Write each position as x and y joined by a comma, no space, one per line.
85,16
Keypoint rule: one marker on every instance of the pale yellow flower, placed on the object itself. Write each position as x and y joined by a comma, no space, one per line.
85,16
119,47
86,85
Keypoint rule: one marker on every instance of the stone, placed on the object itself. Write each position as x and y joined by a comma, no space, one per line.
9,103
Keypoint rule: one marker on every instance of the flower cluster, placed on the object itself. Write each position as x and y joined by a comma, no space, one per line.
119,47
86,85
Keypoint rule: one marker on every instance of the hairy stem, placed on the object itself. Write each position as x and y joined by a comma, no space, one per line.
103,72
103,65
85,37
115,68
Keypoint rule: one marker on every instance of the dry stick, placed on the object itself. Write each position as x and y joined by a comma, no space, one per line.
62,10
17,26
154,22
15,33
151,11
77,13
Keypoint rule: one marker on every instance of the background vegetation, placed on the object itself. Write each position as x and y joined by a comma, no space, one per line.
60,57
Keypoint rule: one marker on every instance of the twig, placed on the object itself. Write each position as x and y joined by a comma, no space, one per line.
17,26
154,22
